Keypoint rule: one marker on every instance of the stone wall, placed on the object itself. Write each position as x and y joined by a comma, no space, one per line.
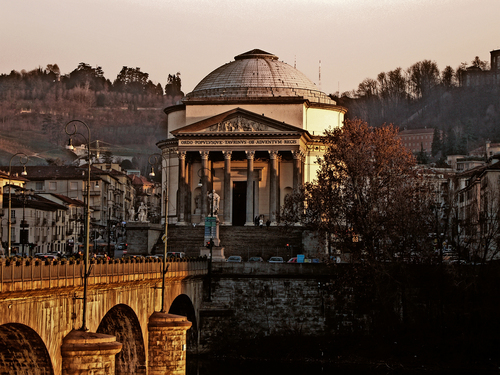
142,237
262,299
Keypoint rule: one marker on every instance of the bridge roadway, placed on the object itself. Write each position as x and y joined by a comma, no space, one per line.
41,308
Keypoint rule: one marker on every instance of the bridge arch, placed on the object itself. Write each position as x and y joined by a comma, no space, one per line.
23,351
121,321
182,305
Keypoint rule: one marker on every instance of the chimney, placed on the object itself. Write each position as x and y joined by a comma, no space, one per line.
487,148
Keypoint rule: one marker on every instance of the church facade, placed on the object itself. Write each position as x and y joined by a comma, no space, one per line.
245,137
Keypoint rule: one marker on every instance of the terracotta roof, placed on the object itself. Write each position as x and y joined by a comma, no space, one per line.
416,131
68,200
53,172
36,201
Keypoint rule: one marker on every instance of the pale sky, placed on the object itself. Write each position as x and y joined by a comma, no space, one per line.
353,39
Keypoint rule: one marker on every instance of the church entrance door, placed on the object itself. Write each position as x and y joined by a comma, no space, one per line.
239,202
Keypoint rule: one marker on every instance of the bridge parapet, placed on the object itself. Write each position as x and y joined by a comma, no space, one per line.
30,275
264,269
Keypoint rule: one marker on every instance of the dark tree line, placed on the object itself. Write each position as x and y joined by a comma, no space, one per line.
87,84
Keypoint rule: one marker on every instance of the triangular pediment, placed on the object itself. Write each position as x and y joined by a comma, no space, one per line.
237,121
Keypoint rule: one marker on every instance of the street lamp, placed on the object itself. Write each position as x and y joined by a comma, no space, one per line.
154,160
209,244
74,131
24,196
23,159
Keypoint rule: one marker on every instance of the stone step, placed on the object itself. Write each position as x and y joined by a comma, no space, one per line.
244,241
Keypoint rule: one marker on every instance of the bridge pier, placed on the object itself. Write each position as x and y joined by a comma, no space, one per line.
167,344
89,353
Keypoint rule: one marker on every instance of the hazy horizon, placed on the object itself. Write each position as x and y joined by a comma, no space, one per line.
353,39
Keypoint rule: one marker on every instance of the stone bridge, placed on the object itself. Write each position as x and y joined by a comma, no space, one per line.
41,316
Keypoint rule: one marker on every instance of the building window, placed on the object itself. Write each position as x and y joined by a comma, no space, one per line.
73,185
53,185
39,185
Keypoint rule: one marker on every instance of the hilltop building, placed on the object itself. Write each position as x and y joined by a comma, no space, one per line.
250,131
475,76
416,140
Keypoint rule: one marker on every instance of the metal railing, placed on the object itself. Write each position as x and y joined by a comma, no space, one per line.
25,275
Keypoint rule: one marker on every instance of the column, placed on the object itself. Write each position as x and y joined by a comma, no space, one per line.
204,185
297,164
273,186
181,220
227,188
167,344
89,353
249,205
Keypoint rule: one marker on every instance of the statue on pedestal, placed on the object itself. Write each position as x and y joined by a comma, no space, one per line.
214,202
142,213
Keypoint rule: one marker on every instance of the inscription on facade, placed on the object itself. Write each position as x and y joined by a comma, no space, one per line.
239,142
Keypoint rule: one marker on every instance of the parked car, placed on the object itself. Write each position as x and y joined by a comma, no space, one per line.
44,256
276,260
176,254
135,256
122,246
292,260
255,259
234,259
102,256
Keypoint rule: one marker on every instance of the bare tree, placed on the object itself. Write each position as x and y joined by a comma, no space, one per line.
368,198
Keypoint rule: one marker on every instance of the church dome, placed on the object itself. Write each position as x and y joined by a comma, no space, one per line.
256,75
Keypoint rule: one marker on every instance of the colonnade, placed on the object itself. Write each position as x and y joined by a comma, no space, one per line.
205,173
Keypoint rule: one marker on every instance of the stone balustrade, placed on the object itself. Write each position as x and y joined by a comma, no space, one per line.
32,274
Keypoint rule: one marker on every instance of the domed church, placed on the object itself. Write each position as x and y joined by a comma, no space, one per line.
245,137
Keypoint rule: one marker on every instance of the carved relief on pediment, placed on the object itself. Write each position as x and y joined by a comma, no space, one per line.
239,124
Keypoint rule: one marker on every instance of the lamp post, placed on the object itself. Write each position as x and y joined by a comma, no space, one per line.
23,159
154,160
24,196
74,131
210,244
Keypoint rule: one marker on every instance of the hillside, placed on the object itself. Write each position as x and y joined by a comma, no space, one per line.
464,116
128,133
